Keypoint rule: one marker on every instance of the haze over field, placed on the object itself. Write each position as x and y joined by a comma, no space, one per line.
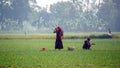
71,15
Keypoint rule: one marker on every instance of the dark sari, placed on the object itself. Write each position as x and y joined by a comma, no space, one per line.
59,35
86,44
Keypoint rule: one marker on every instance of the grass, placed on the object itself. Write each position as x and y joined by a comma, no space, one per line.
22,53
66,35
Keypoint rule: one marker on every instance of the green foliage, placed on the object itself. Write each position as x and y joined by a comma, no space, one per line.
28,53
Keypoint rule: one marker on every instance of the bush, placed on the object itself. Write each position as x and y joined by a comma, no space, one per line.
101,36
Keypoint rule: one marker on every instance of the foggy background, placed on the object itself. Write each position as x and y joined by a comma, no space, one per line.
19,16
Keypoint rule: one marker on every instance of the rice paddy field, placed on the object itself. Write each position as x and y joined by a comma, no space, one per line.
27,53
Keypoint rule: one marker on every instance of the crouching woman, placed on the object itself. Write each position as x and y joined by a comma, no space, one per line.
87,44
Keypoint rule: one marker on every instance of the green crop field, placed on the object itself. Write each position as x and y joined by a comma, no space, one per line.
27,53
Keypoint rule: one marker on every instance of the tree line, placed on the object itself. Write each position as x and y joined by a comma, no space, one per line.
72,16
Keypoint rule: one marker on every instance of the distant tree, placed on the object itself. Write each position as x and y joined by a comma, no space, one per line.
77,15
16,10
4,11
117,14
109,13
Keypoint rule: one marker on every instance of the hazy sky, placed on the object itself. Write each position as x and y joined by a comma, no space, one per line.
43,3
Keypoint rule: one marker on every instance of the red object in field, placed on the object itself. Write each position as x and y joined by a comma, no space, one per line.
43,49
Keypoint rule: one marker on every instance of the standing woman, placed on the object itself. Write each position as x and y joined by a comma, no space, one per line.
59,37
